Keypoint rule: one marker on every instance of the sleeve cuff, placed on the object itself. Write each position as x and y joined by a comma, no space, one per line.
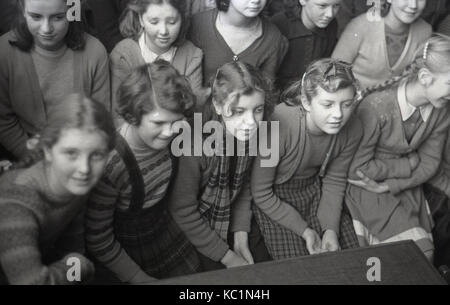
327,222
394,188
219,251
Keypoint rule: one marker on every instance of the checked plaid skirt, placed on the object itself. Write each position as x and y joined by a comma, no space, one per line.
304,196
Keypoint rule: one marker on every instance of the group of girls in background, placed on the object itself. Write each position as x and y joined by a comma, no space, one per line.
86,127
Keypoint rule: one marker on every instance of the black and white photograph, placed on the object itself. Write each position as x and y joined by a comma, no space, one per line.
216,151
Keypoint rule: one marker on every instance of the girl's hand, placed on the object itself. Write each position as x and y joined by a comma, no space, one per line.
369,184
241,246
330,241
5,165
414,160
313,242
231,259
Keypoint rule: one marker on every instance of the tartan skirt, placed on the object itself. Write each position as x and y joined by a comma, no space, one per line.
154,241
304,195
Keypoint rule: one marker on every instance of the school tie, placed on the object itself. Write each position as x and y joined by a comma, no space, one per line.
412,124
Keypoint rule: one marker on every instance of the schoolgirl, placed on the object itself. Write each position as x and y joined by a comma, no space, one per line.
405,123
42,206
298,203
155,29
44,58
211,198
380,49
128,227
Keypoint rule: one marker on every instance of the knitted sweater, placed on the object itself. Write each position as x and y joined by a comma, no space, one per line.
22,108
294,160
37,229
266,53
383,148
112,193
363,44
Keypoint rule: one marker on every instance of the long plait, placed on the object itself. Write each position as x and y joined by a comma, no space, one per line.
409,71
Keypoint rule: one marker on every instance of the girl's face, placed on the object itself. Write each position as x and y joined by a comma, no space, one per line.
245,115
438,93
406,11
162,24
156,128
47,22
247,8
329,112
76,161
320,12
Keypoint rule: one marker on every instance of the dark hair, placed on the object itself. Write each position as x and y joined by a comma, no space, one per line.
433,55
154,85
223,5
75,38
74,111
329,74
240,79
130,25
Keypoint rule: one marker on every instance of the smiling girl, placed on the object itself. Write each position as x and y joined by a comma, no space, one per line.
41,207
128,227
381,49
405,127
44,58
211,201
299,202
234,31
156,29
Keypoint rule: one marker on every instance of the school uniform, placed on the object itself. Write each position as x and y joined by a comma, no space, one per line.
211,201
128,226
309,179
305,45
363,44
130,54
392,130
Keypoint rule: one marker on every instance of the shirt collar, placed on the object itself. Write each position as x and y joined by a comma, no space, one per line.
149,56
406,109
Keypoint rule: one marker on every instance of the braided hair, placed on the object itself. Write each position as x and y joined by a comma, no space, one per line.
433,55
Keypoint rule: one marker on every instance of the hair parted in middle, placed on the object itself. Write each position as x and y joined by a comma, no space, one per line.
154,85
130,26
234,79
75,38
